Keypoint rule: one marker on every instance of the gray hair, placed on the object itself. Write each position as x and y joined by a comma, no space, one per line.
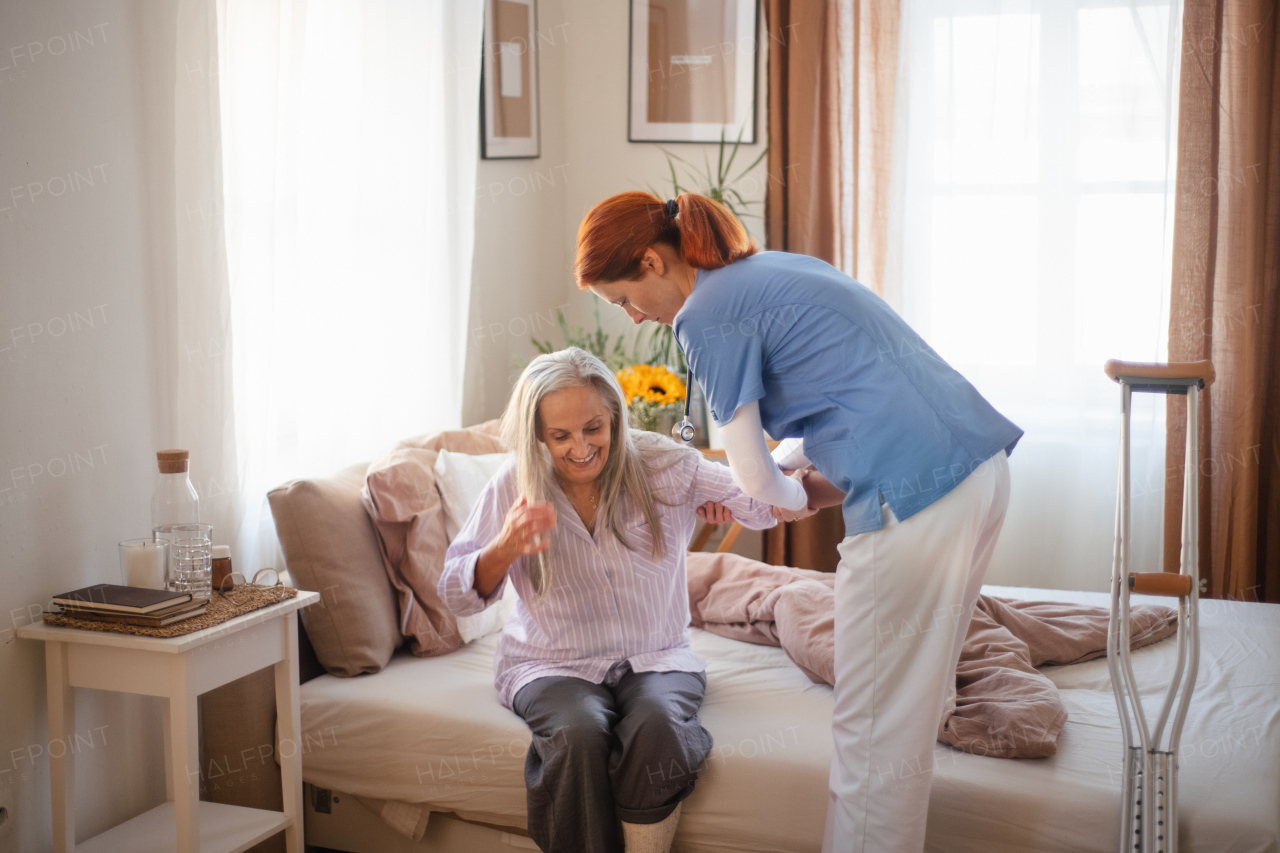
634,456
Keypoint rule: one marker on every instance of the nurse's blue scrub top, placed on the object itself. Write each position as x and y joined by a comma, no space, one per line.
880,412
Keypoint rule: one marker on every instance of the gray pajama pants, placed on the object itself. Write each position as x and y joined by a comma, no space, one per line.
602,754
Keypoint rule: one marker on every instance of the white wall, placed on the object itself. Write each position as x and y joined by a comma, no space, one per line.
596,121
525,243
80,414
528,211
522,269
77,411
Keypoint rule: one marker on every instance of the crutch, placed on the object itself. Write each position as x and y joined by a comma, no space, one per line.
1149,796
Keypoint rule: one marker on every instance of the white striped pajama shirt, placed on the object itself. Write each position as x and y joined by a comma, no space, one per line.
608,604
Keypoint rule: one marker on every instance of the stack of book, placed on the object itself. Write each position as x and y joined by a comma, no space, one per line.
108,602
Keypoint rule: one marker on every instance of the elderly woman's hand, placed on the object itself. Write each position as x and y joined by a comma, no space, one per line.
524,528
523,532
714,512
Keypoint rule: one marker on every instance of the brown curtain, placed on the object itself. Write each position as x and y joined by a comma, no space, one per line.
809,543
802,201
832,70
832,67
1223,305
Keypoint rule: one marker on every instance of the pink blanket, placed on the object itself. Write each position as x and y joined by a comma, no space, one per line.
1004,706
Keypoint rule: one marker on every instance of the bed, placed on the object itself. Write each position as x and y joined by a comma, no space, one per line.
428,735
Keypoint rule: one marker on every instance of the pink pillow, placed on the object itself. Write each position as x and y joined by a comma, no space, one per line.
401,498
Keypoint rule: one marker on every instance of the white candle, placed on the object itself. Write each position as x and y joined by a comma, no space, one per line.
144,564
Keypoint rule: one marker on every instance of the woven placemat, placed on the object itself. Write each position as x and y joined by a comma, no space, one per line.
243,599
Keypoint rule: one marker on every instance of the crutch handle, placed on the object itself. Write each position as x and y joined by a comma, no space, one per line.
1158,373
1160,583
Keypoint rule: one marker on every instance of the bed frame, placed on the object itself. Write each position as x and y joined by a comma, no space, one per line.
337,821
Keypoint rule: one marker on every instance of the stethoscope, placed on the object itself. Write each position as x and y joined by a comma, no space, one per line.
685,430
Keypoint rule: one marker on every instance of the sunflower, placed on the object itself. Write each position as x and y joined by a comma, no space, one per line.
652,383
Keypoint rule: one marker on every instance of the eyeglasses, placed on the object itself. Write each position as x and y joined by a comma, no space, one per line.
265,578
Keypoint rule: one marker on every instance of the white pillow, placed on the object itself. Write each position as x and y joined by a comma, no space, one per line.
461,478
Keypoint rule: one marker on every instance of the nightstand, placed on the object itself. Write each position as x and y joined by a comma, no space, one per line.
178,669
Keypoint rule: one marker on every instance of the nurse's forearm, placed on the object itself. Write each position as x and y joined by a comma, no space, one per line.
821,492
754,470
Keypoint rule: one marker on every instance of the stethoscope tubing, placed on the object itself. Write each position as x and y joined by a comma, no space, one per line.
685,430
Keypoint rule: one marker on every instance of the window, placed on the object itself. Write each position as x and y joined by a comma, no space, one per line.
1034,145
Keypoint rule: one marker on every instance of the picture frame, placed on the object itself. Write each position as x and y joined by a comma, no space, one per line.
509,112
692,71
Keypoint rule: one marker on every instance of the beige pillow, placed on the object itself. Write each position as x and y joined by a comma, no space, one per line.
331,548
403,500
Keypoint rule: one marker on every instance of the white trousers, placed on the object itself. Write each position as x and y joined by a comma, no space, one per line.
904,597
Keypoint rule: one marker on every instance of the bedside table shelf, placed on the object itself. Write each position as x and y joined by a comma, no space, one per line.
178,670
223,829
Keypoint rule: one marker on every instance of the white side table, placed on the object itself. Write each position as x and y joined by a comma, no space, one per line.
178,669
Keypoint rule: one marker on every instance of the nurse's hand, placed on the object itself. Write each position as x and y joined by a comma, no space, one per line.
795,515
792,515
715,513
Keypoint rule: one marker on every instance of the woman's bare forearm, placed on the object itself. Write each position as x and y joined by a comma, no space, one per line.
820,491
491,567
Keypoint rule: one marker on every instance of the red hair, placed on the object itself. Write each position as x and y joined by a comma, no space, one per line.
616,232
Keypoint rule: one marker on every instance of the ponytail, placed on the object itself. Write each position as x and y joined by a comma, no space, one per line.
616,232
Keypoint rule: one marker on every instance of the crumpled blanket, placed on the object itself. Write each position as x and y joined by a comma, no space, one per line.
1004,706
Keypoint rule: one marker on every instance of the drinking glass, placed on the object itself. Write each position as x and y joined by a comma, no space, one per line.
190,557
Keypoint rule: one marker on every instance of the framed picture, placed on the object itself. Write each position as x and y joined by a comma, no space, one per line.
509,80
693,70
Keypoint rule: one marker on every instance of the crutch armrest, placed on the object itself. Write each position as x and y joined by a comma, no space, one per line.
1160,583
1161,371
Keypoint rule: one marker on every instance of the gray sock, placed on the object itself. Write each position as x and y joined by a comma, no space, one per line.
651,837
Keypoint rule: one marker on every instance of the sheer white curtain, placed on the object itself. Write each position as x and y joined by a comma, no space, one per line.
1034,154
349,148
188,298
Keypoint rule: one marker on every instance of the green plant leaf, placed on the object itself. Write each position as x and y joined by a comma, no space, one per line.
754,163
720,164
732,154
671,155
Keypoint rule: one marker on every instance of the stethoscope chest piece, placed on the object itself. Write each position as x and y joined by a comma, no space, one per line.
684,430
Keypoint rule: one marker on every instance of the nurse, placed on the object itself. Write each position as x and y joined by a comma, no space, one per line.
873,419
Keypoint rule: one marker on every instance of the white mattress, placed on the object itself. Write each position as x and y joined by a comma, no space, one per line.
431,731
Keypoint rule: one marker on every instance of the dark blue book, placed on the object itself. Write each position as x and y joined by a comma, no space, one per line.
121,599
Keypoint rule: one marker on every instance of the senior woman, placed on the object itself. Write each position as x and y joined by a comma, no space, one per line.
590,522
791,345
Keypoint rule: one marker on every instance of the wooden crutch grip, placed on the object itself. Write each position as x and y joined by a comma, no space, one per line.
1160,583
1201,370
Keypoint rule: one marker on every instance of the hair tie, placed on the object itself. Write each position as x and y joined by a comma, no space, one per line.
672,208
